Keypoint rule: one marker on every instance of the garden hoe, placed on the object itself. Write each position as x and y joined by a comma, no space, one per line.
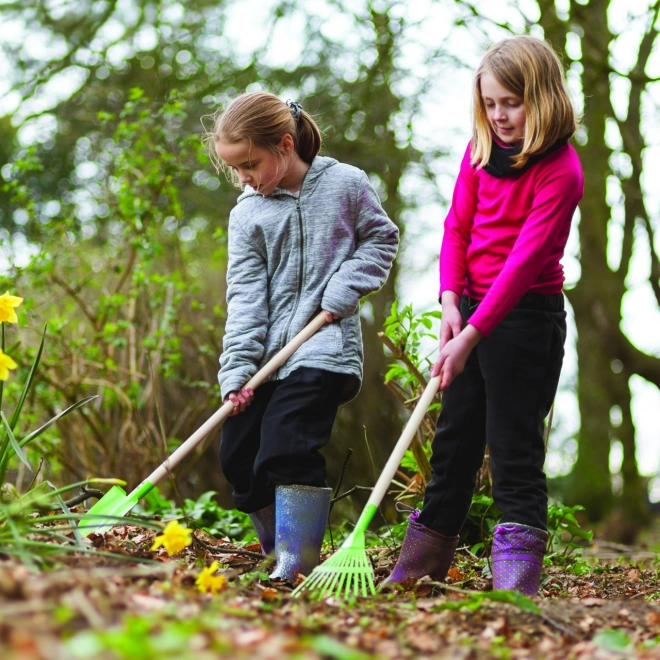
348,572
116,503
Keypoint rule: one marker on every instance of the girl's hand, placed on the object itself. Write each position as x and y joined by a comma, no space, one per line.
450,325
240,400
452,321
454,354
329,316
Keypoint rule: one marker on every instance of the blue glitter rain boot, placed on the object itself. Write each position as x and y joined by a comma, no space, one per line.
517,557
301,514
264,524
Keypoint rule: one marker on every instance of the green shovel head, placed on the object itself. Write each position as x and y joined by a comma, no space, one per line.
114,504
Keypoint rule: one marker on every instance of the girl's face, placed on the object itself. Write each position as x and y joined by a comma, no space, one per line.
504,109
255,166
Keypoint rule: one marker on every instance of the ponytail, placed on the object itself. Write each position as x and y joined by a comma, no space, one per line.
307,139
263,119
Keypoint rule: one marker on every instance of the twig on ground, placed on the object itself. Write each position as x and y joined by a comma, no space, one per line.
83,495
227,551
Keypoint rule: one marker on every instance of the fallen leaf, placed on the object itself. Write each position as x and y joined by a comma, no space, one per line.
425,604
148,603
587,623
652,619
425,642
251,637
455,575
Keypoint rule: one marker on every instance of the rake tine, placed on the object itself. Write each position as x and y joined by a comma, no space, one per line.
332,585
324,583
372,586
340,583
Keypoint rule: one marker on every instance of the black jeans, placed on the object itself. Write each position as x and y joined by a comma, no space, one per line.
501,398
276,440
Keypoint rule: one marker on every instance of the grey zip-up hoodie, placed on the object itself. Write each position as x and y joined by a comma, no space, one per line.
291,255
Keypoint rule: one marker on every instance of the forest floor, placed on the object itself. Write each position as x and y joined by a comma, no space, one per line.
147,606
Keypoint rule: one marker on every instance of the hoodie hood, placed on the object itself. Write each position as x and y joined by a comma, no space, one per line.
319,165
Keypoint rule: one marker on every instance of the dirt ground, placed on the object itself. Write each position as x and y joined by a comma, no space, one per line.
147,606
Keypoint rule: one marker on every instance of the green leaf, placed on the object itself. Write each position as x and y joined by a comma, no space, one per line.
28,382
50,422
522,602
14,443
579,568
331,648
612,640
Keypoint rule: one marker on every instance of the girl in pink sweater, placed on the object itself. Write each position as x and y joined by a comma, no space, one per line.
503,319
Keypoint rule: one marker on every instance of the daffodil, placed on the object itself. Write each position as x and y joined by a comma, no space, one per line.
6,363
207,581
8,304
175,537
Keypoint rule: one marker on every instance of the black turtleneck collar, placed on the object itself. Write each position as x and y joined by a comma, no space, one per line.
500,163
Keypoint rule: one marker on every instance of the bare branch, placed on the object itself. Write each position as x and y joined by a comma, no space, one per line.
634,144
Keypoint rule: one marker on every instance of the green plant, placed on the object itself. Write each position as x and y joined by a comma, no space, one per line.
203,513
403,338
477,532
28,528
121,276
473,600
565,535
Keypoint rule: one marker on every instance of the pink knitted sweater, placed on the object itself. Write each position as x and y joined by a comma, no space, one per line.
505,236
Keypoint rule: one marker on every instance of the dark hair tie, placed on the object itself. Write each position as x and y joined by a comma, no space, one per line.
295,108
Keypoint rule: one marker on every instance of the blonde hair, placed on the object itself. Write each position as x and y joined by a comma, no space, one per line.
529,68
263,120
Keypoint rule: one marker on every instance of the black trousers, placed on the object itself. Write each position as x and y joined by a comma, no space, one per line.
501,398
276,440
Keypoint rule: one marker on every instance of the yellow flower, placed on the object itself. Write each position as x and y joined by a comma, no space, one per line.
7,304
6,363
208,582
175,537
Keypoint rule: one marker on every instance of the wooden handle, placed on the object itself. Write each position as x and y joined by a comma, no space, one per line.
403,442
227,408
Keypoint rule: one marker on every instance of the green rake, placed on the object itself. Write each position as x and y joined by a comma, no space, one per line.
349,572
116,503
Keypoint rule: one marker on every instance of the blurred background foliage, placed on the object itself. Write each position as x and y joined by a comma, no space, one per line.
107,186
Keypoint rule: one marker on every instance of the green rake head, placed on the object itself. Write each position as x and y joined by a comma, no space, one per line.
348,572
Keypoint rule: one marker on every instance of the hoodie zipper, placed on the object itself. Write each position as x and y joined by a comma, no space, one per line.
300,271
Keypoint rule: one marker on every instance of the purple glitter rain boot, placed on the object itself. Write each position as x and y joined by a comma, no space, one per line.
264,524
424,552
517,557
301,515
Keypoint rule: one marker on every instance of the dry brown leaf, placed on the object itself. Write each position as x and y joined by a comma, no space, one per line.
148,603
455,575
269,594
652,619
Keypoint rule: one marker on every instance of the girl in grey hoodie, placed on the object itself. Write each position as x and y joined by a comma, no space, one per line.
308,234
